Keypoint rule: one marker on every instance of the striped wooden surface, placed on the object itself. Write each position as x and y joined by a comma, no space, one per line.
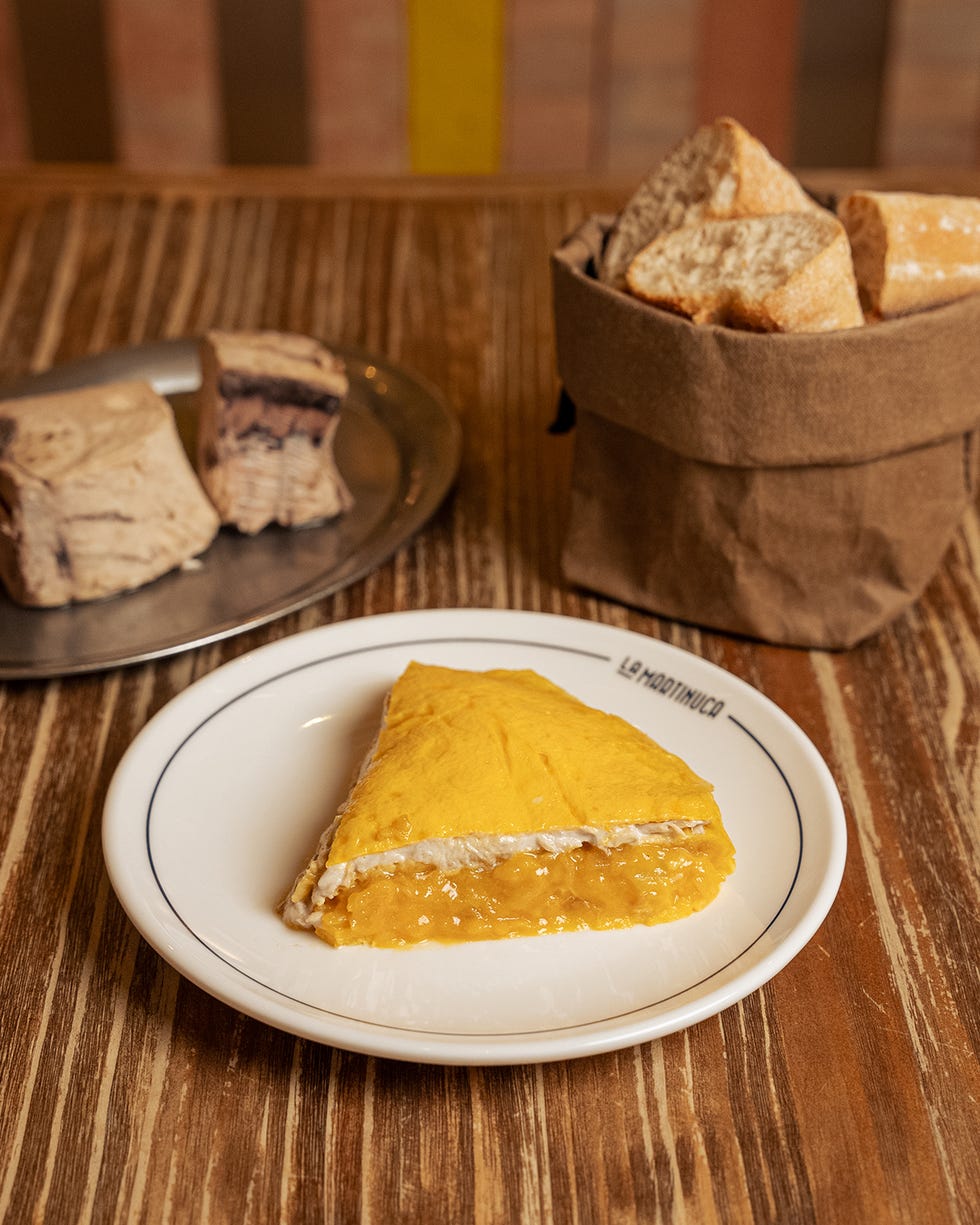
845,1090
381,86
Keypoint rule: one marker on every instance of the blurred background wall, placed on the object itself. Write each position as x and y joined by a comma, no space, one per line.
484,86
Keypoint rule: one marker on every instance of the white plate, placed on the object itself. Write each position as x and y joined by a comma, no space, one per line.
220,800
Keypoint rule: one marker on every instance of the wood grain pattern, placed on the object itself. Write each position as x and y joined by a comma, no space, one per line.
845,1090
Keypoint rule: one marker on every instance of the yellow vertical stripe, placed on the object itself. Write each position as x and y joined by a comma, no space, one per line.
455,75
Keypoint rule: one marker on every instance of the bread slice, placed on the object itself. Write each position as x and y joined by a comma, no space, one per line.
786,273
719,171
494,804
97,495
912,251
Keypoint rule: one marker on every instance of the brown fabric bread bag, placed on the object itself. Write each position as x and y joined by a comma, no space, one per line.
796,488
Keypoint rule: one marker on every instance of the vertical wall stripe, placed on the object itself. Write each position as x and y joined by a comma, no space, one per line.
65,80
600,85
163,70
931,96
653,80
842,56
263,81
13,122
748,67
547,116
455,67
356,55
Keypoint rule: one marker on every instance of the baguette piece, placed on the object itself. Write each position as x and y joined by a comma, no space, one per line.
790,272
97,495
719,171
912,251
269,410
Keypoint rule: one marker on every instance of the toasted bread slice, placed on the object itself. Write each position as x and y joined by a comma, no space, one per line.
912,251
719,171
790,272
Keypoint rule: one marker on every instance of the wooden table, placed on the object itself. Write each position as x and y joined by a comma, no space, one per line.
845,1090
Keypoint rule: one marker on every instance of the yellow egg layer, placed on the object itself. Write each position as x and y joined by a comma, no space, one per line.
507,752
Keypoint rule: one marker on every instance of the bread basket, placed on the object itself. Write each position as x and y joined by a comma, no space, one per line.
800,489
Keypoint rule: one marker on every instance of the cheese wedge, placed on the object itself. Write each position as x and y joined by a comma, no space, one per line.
97,495
269,408
495,804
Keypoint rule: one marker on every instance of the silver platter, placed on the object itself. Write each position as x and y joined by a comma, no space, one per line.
398,447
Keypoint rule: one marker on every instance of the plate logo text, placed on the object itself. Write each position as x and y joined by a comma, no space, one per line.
671,687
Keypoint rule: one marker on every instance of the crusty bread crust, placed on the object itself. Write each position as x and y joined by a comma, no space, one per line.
790,272
912,251
720,171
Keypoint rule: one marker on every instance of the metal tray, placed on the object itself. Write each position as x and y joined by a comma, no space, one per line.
398,447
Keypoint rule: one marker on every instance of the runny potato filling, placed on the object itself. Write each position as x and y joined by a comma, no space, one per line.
531,893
